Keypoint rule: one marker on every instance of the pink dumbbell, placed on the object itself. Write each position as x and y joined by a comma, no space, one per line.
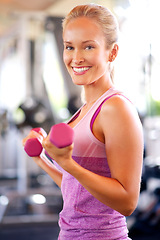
61,135
33,146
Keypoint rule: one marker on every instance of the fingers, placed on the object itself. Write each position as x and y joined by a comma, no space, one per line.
53,151
32,134
57,143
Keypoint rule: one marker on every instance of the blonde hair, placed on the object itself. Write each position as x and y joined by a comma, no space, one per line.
103,17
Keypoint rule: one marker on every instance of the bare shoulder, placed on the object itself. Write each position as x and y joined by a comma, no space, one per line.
119,116
123,135
119,107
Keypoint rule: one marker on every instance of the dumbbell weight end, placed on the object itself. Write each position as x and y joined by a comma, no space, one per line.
33,146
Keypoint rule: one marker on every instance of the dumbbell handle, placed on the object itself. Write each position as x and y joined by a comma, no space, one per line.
61,135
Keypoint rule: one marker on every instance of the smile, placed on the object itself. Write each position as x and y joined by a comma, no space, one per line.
80,69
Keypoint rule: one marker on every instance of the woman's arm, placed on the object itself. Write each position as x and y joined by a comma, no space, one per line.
124,149
43,162
119,127
49,168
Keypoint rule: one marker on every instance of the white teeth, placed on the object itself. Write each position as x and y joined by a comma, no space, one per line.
82,69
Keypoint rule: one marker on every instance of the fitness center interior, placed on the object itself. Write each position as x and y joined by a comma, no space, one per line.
36,91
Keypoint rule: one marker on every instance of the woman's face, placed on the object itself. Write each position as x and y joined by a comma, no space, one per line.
85,54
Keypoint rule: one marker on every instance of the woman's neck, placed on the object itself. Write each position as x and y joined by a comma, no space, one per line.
93,92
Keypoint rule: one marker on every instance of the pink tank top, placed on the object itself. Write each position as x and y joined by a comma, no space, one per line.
83,216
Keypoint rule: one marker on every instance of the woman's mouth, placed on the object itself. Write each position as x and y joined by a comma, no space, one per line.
80,70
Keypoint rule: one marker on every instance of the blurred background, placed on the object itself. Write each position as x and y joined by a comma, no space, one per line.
36,91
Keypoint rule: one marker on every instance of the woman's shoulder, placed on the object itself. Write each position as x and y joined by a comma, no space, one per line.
119,107
117,101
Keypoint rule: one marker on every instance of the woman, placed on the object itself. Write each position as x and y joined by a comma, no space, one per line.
101,171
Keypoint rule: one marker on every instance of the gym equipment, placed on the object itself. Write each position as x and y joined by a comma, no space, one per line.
61,135
33,146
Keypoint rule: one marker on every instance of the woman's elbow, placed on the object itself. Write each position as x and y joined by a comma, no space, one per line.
129,207
128,211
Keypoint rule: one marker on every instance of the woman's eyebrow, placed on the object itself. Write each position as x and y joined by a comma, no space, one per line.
82,42
67,42
89,41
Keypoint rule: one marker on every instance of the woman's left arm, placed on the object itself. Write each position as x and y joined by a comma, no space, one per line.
123,136
119,126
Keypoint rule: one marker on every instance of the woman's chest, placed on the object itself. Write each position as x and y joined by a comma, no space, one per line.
80,115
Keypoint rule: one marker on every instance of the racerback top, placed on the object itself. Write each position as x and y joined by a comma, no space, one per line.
83,216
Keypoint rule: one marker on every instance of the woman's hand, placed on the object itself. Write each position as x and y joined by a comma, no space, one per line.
34,134
42,161
63,156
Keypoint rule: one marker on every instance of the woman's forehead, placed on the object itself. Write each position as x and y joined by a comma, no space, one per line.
82,26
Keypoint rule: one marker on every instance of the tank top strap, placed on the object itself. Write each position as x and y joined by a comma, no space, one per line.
100,106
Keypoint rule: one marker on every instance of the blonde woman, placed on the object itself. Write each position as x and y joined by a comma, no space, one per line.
101,171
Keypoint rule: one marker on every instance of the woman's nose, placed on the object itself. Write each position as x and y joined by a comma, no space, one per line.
78,57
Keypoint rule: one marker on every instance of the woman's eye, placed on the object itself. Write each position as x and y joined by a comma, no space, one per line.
89,47
69,48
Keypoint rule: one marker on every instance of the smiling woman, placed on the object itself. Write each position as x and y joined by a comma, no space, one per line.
85,51
100,173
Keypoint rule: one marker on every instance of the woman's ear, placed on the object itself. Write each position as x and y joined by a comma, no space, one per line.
113,53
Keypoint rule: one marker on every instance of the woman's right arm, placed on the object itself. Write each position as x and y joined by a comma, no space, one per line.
49,168
44,163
